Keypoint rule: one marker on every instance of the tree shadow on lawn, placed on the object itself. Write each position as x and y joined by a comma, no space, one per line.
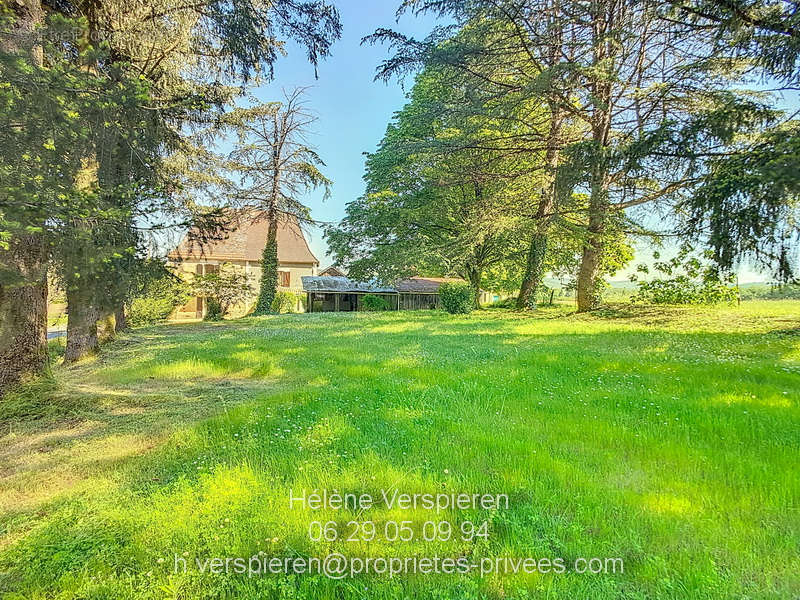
478,426
54,433
566,500
150,387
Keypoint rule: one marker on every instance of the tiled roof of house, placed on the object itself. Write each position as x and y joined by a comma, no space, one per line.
413,285
247,242
332,271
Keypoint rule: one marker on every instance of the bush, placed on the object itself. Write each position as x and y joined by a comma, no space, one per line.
689,281
284,302
510,302
148,311
214,310
229,287
682,290
457,297
157,300
372,302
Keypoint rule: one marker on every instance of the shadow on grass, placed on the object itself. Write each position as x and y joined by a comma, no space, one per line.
572,425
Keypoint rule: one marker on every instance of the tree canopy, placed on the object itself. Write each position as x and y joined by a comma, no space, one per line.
100,103
641,111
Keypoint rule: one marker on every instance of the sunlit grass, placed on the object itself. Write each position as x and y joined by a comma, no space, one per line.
666,436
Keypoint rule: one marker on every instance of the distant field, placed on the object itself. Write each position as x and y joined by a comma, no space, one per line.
667,437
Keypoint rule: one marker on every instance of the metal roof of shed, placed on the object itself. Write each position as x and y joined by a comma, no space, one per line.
342,284
412,285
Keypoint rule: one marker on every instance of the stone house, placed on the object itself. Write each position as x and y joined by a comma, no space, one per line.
332,271
242,249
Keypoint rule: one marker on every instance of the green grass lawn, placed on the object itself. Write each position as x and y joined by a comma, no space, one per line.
667,437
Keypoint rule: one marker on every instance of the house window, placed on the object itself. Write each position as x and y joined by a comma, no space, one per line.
284,278
206,268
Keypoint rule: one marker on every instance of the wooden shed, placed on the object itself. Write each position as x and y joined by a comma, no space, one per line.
337,294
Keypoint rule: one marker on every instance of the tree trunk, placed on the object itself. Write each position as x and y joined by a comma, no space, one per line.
534,265
28,16
269,269
23,301
81,326
592,257
588,290
80,274
534,269
23,311
106,331
120,322
474,276
604,52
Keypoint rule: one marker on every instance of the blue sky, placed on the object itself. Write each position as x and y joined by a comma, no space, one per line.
354,110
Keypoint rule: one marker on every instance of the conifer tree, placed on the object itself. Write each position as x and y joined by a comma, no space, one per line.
276,164
152,69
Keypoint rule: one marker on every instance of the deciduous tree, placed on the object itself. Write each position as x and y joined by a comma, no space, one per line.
436,203
628,80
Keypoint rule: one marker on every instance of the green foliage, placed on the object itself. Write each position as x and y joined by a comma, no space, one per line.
90,108
268,285
684,290
429,205
156,299
457,297
56,118
214,310
371,302
148,311
688,281
227,287
770,292
284,302
584,59
766,33
748,203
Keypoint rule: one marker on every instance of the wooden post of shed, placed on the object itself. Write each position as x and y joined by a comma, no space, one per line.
398,300
309,302
336,302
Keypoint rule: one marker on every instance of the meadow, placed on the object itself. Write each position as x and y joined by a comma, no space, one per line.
667,437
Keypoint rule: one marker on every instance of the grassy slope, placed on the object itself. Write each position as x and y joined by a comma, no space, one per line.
668,437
